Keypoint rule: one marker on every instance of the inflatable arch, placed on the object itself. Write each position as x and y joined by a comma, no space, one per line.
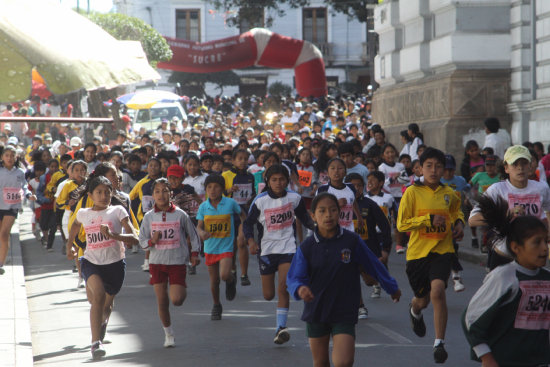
258,46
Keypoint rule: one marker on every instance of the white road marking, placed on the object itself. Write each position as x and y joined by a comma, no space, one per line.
389,333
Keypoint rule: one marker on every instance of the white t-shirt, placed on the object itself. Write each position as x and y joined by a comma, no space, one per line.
197,183
392,184
101,250
533,199
346,211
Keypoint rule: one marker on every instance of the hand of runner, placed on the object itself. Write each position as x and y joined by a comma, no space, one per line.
253,246
487,360
32,198
195,260
305,293
105,230
233,188
438,220
155,238
395,297
384,258
458,231
72,202
72,253
203,234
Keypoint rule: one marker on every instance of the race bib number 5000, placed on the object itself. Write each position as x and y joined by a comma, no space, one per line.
219,226
96,240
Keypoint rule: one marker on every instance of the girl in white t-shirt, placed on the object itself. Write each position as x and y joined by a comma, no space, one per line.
103,264
394,184
194,176
524,197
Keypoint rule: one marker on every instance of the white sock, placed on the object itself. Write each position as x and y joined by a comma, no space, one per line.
437,342
415,315
168,330
474,237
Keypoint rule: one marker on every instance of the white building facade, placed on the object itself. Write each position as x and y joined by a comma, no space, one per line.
449,64
341,40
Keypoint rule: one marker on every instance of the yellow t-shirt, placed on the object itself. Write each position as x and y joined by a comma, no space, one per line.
418,203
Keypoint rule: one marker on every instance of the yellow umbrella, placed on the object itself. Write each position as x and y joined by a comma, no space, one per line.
68,51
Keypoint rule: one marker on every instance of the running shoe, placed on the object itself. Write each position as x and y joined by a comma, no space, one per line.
145,266
2,271
363,313
475,243
192,270
244,280
216,312
231,289
399,249
484,249
44,242
50,249
459,286
37,234
97,350
169,341
103,331
80,283
282,336
75,269
135,249
440,354
418,325
376,290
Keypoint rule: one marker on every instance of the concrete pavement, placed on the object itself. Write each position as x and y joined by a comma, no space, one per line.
60,322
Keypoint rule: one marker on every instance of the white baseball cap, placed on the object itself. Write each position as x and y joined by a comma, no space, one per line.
12,140
75,141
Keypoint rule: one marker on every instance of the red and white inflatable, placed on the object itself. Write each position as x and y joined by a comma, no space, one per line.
258,46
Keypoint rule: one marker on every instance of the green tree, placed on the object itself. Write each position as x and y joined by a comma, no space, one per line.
248,10
124,27
279,89
221,79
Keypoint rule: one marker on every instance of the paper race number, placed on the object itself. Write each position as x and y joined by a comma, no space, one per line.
169,234
12,195
95,240
219,226
534,305
243,193
147,203
279,218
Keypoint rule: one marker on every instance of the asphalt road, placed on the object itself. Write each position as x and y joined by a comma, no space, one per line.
244,337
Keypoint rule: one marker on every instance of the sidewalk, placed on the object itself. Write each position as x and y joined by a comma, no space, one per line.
15,337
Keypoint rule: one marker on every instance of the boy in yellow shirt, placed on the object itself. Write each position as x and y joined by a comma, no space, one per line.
431,212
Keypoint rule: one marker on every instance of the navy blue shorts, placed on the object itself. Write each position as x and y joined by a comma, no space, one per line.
269,264
112,275
8,213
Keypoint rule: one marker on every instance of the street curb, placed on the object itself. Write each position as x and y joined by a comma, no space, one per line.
22,340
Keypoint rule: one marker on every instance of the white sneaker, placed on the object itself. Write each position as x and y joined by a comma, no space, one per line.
375,291
459,286
80,283
169,341
145,266
135,249
363,313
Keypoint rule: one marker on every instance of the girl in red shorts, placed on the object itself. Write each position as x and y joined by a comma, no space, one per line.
163,232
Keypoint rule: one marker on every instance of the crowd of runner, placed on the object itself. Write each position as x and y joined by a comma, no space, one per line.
314,190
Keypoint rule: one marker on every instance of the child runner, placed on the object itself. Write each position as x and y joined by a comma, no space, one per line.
431,212
103,264
217,228
507,320
164,231
483,180
14,187
461,187
274,211
345,193
239,185
195,178
48,224
524,197
325,273
184,197
394,185
376,233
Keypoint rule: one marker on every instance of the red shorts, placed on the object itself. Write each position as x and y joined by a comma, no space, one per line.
173,274
212,259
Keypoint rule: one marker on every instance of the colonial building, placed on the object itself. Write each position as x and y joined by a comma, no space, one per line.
341,40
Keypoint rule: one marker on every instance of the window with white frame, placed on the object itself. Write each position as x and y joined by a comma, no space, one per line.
188,25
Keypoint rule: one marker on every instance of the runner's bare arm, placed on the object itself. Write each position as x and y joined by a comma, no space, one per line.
73,232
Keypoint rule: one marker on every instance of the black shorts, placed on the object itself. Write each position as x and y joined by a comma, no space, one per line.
375,247
112,275
422,271
47,219
8,213
269,264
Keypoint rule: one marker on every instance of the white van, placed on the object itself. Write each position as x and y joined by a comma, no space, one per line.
151,118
